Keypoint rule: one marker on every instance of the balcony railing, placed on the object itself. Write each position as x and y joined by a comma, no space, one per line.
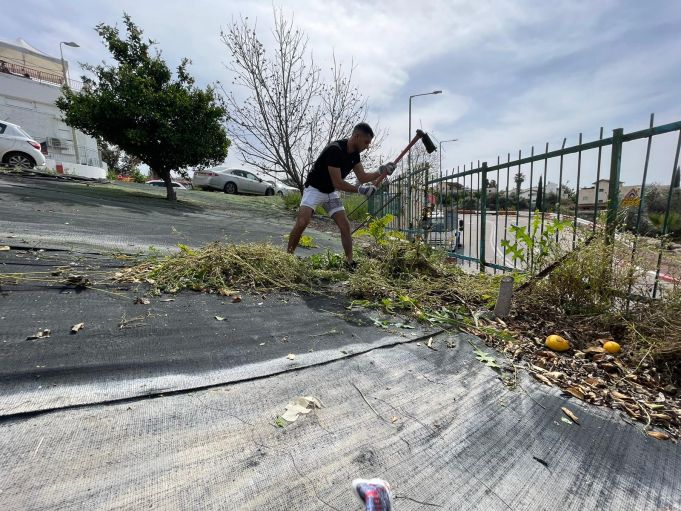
37,75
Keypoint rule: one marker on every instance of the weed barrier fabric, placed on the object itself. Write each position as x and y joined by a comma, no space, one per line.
173,343
438,425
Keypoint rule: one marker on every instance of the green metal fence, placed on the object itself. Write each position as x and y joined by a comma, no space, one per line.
472,210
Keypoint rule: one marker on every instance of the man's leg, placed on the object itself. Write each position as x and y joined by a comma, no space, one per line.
302,221
343,224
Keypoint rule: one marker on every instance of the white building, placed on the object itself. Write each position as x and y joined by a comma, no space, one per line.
599,192
30,82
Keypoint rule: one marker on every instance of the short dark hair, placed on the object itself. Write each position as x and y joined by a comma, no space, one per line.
364,128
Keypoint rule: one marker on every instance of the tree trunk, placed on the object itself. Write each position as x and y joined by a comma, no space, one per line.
170,191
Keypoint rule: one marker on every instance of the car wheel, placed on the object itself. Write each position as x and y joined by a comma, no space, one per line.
269,192
21,160
230,188
280,193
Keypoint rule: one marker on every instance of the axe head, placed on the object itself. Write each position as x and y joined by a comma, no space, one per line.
427,142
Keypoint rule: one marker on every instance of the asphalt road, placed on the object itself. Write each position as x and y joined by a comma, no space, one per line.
52,214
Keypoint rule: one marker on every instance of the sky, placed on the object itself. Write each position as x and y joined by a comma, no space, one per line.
513,75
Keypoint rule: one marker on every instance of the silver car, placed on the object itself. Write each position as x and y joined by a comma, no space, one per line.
231,181
18,149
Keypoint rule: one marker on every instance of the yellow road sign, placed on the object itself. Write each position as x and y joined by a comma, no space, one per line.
632,198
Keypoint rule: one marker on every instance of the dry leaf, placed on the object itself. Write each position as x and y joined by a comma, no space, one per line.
572,416
660,417
167,299
576,392
236,299
594,349
393,419
142,301
78,326
300,405
41,334
619,395
219,318
4,248
556,375
290,356
430,343
659,435
594,382
543,379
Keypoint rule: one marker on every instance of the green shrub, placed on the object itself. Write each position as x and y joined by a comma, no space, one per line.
137,176
352,201
292,200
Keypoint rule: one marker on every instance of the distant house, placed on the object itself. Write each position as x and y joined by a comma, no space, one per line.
550,187
598,194
30,83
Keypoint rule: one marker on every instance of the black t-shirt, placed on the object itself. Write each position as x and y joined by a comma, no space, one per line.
334,155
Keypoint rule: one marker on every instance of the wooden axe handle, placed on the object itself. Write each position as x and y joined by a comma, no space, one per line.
417,137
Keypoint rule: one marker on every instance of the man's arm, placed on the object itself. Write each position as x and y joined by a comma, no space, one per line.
365,177
339,183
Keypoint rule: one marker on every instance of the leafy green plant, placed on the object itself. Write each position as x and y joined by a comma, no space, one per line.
530,243
306,242
326,261
378,230
292,200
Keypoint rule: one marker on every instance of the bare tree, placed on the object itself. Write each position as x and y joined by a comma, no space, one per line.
290,113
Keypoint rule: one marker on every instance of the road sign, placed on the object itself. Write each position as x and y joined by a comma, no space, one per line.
632,198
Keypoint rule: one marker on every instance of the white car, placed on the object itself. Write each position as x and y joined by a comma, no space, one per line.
18,149
282,189
231,181
161,183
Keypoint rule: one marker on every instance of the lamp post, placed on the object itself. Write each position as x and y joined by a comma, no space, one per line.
66,82
444,142
409,205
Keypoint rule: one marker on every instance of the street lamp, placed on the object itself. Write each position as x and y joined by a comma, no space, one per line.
409,219
66,82
444,142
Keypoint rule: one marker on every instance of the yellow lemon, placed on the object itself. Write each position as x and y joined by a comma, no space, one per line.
611,347
557,343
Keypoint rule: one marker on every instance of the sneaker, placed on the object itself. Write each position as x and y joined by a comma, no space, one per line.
374,493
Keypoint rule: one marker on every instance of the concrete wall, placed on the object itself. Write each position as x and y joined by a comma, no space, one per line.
31,105
74,169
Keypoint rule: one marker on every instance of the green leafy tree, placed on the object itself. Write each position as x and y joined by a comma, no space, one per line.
118,162
540,195
137,105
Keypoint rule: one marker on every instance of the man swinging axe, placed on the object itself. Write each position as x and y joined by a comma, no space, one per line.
327,177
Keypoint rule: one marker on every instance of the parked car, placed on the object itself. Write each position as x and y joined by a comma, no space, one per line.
161,183
282,189
231,181
18,149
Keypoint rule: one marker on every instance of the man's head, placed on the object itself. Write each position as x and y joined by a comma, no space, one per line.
362,134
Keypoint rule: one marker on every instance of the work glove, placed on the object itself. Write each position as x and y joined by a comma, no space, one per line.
366,189
387,168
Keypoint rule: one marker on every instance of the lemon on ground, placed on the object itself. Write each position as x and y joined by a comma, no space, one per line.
611,347
557,343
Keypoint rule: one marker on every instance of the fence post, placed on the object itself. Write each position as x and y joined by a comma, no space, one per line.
614,188
483,217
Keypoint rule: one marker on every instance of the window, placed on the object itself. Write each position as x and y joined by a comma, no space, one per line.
250,176
600,200
601,190
2,128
